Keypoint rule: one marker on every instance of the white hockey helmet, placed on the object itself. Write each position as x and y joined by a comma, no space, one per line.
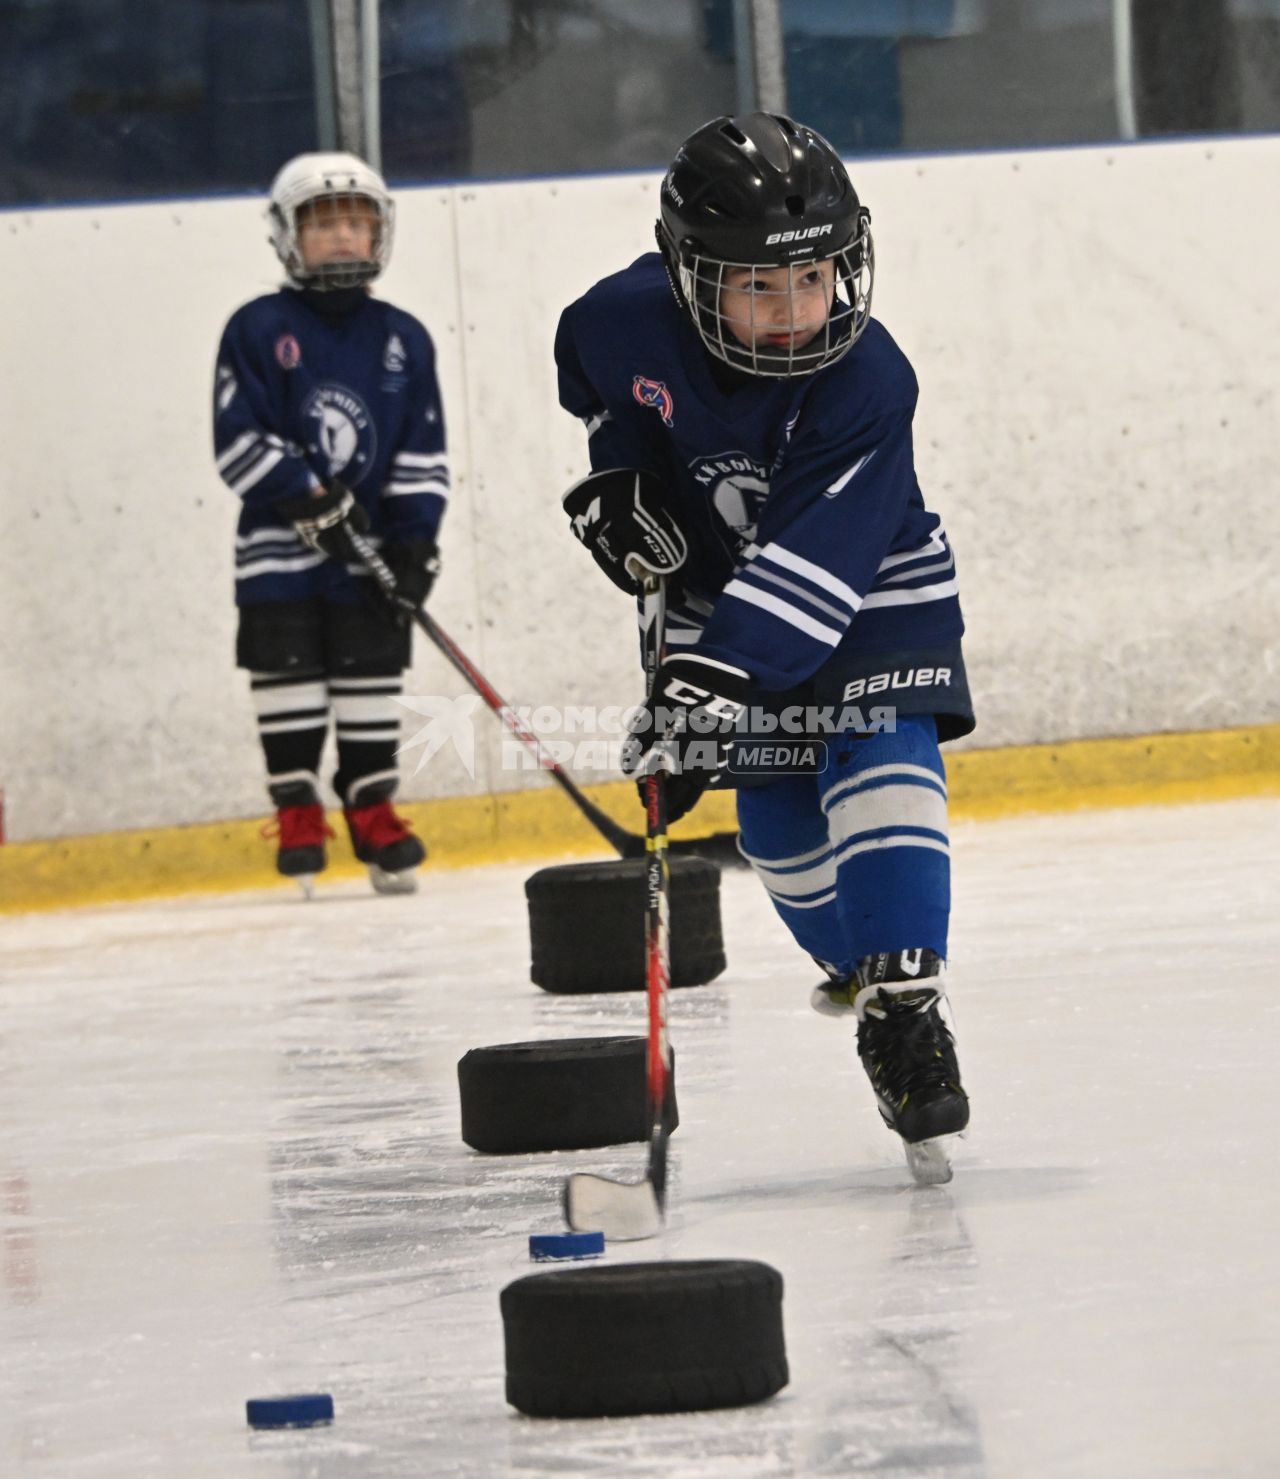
311,177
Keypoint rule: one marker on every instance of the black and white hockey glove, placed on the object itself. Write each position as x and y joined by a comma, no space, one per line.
415,563
326,520
622,518
686,727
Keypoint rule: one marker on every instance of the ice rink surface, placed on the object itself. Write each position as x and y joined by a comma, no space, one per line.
230,1167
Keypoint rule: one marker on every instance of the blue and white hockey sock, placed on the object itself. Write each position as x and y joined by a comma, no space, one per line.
885,800
783,835
857,860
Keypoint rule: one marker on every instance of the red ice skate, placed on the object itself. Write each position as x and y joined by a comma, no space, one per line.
382,840
301,831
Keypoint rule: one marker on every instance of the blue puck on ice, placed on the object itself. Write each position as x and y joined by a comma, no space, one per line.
303,1411
547,1246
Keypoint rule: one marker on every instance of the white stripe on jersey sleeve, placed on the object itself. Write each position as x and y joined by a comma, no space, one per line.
257,470
283,566
416,460
758,573
237,449
272,535
820,577
784,611
935,545
939,592
934,569
416,485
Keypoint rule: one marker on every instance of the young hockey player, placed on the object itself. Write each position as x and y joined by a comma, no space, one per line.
328,424
749,425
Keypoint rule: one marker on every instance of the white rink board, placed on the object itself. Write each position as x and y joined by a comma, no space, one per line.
1097,338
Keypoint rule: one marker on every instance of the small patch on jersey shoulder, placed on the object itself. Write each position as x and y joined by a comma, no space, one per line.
288,352
394,356
654,393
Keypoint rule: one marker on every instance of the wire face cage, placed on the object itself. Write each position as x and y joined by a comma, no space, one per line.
780,321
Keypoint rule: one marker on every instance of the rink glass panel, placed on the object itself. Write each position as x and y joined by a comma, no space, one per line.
122,99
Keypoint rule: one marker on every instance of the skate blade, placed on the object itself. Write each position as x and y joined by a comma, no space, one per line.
393,883
929,1161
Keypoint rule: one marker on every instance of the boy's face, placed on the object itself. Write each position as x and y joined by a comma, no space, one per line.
337,228
777,308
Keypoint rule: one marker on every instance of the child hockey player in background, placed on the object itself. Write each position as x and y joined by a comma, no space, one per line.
328,422
749,426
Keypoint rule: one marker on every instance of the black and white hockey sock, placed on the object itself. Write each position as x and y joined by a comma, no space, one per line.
367,723
293,718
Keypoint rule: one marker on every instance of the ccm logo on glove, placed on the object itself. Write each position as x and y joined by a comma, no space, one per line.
621,516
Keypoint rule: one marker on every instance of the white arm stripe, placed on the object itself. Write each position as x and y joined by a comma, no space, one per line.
417,460
757,572
815,573
417,485
277,566
784,611
269,536
936,545
937,592
257,472
935,569
238,448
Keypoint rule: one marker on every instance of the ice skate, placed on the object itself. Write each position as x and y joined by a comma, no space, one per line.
383,842
909,1054
301,830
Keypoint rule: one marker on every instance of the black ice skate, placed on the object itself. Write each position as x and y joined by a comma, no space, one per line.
382,841
302,830
910,1058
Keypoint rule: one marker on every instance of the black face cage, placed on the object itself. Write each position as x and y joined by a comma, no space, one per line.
702,282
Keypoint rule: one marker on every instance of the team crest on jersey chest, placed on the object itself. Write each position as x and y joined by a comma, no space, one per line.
738,486
654,393
340,430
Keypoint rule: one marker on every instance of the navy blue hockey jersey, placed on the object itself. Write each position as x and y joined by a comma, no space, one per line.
301,397
809,539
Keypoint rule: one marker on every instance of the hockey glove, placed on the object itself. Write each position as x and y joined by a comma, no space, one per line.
326,521
686,727
415,563
622,518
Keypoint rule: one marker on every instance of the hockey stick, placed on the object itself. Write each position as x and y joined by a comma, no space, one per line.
722,847
622,1210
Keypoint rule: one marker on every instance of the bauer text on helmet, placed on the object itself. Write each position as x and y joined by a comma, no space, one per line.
767,245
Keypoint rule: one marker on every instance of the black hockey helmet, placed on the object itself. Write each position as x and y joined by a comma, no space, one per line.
762,191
